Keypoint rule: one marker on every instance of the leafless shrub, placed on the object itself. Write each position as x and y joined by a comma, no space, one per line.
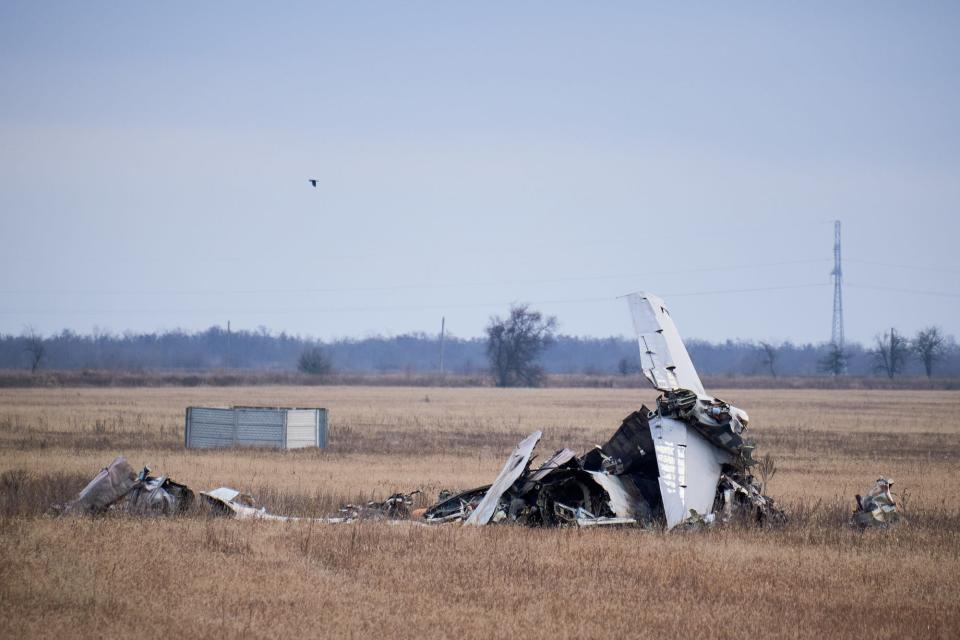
834,361
766,468
35,348
768,357
315,361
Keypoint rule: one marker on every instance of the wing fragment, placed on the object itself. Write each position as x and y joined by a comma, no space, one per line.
513,469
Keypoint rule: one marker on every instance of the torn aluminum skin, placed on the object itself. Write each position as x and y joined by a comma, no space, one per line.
877,508
230,502
117,486
158,496
515,466
109,486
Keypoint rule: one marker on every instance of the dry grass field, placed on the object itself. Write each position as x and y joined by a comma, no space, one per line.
196,577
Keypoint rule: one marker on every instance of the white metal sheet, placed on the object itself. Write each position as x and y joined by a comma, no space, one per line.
224,494
663,357
555,461
621,503
689,469
669,445
515,465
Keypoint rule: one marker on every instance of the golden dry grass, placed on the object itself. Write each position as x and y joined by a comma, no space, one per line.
196,578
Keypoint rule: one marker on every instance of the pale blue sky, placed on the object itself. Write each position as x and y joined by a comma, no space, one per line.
154,162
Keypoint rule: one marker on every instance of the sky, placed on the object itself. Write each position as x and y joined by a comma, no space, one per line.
155,157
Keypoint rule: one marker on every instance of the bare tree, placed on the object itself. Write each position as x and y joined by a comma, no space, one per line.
834,362
35,347
768,357
514,344
890,353
930,346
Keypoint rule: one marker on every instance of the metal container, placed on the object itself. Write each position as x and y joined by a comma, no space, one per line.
278,428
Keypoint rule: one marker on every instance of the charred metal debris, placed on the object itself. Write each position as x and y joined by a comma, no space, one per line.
684,463
636,478
118,486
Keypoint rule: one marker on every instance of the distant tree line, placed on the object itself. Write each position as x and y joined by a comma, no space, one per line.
217,348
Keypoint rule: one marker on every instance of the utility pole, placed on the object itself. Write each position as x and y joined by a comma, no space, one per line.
443,328
893,365
836,336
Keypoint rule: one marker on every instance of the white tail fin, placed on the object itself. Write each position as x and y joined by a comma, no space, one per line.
663,358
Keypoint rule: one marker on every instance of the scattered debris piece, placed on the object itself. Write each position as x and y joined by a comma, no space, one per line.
142,494
877,508
746,502
456,508
107,487
234,504
158,496
517,463
396,507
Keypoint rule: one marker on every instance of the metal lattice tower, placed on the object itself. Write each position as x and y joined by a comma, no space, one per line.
836,336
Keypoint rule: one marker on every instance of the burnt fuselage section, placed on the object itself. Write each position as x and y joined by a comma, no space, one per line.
684,463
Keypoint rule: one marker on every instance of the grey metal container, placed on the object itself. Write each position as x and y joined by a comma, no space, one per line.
280,428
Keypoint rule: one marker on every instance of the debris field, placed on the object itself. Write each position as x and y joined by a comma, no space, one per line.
685,463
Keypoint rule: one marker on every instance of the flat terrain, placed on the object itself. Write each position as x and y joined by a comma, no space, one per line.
196,577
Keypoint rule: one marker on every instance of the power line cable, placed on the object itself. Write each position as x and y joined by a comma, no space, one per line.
749,290
405,287
943,294
356,309
475,305
913,267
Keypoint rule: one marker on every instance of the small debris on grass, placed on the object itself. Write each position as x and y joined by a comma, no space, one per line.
877,508
117,486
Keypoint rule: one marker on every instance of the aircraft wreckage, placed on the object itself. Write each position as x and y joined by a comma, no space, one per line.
683,464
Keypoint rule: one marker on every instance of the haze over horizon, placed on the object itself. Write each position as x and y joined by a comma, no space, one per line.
154,164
